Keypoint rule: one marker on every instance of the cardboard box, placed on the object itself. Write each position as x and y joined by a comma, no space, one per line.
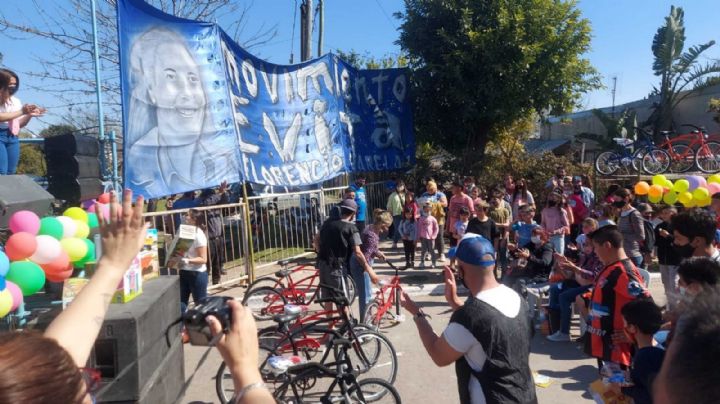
149,258
130,285
182,242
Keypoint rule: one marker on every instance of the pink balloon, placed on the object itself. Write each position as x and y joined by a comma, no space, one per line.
91,208
702,182
713,187
24,221
16,294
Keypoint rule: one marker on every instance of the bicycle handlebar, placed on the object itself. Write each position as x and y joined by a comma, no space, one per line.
698,128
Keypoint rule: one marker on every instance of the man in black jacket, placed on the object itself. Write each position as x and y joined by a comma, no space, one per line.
216,239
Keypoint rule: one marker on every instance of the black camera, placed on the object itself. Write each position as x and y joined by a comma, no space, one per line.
195,321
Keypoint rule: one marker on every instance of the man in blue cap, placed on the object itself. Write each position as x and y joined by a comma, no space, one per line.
488,337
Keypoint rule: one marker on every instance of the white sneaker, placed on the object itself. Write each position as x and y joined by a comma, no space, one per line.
442,258
559,337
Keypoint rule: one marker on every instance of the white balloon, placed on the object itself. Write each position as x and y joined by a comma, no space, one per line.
69,226
48,249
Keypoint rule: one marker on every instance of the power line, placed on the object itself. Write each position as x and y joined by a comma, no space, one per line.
386,14
292,40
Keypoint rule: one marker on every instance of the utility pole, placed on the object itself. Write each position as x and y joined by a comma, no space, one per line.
613,95
321,26
306,18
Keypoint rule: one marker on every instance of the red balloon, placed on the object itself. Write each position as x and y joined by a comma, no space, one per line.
60,276
104,198
20,246
58,265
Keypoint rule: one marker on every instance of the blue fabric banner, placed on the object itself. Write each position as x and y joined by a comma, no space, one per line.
198,109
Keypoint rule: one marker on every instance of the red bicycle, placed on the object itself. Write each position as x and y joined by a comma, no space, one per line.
267,296
692,149
378,313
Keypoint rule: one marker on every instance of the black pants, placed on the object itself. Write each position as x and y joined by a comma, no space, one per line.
409,247
216,249
360,225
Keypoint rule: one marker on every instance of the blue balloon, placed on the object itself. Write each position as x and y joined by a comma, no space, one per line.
3,284
4,264
694,182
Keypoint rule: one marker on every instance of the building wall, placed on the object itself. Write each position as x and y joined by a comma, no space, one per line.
692,109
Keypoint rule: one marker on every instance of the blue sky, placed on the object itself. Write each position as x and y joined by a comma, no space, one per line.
622,36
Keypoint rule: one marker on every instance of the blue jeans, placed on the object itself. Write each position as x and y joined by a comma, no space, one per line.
558,241
562,298
362,284
195,283
396,226
638,261
9,152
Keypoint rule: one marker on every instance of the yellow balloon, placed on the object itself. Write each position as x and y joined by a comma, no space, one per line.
681,186
74,247
655,198
704,203
77,214
668,184
670,198
642,188
83,230
659,179
685,197
6,302
715,178
700,194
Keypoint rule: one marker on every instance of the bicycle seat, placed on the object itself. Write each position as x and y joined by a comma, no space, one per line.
283,263
622,141
666,132
285,317
283,273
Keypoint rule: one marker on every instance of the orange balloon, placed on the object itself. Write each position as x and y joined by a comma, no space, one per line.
655,191
642,188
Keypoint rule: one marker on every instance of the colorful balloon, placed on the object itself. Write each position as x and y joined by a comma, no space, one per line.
4,264
20,246
90,255
642,188
16,295
93,220
714,179
76,213
693,181
6,302
655,198
28,276
702,183
668,184
50,226
700,194
681,186
104,198
48,249
83,230
685,197
60,264
24,221
670,198
74,247
713,188
659,179
655,191
69,226
60,276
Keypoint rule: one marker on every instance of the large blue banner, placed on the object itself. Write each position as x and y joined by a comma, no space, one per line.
198,109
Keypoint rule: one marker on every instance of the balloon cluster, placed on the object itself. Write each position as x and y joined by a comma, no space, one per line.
44,249
691,191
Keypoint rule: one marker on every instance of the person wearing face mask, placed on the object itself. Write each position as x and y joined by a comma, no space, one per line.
619,282
538,256
555,222
395,205
13,116
631,226
693,234
488,337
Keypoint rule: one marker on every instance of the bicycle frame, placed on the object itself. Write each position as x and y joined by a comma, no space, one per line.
388,295
293,292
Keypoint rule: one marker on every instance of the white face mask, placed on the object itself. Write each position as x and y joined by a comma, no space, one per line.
535,240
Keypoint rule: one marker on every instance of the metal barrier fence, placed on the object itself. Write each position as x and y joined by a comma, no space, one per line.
281,226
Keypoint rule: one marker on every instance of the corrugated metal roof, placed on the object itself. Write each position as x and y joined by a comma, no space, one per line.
537,146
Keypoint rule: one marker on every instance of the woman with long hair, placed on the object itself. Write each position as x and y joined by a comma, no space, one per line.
555,222
521,197
13,116
193,263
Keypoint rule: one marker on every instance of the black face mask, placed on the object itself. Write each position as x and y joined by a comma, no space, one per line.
619,204
13,90
552,203
683,251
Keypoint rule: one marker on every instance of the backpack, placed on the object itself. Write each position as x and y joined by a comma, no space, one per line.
649,244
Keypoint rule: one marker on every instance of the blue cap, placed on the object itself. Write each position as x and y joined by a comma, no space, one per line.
472,250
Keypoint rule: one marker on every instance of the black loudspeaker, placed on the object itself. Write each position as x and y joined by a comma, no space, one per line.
19,192
132,353
73,167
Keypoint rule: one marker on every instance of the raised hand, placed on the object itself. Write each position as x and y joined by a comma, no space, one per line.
239,345
408,304
123,233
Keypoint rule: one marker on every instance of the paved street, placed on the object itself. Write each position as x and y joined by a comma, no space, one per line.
419,380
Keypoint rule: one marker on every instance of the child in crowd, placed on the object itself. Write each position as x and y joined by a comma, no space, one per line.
589,225
411,203
427,231
523,228
606,215
642,319
460,227
408,232
667,258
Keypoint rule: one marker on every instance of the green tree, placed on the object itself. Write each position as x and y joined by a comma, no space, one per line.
367,61
714,106
678,71
480,65
621,126
32,158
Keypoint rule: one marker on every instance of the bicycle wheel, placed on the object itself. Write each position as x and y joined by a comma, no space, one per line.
707,157
656,161
373,356
264,302
224,386
267,282
682,158
637,158
607,163
376,321
350,288
374,391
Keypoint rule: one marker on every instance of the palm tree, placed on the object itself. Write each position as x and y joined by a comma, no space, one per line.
678,71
